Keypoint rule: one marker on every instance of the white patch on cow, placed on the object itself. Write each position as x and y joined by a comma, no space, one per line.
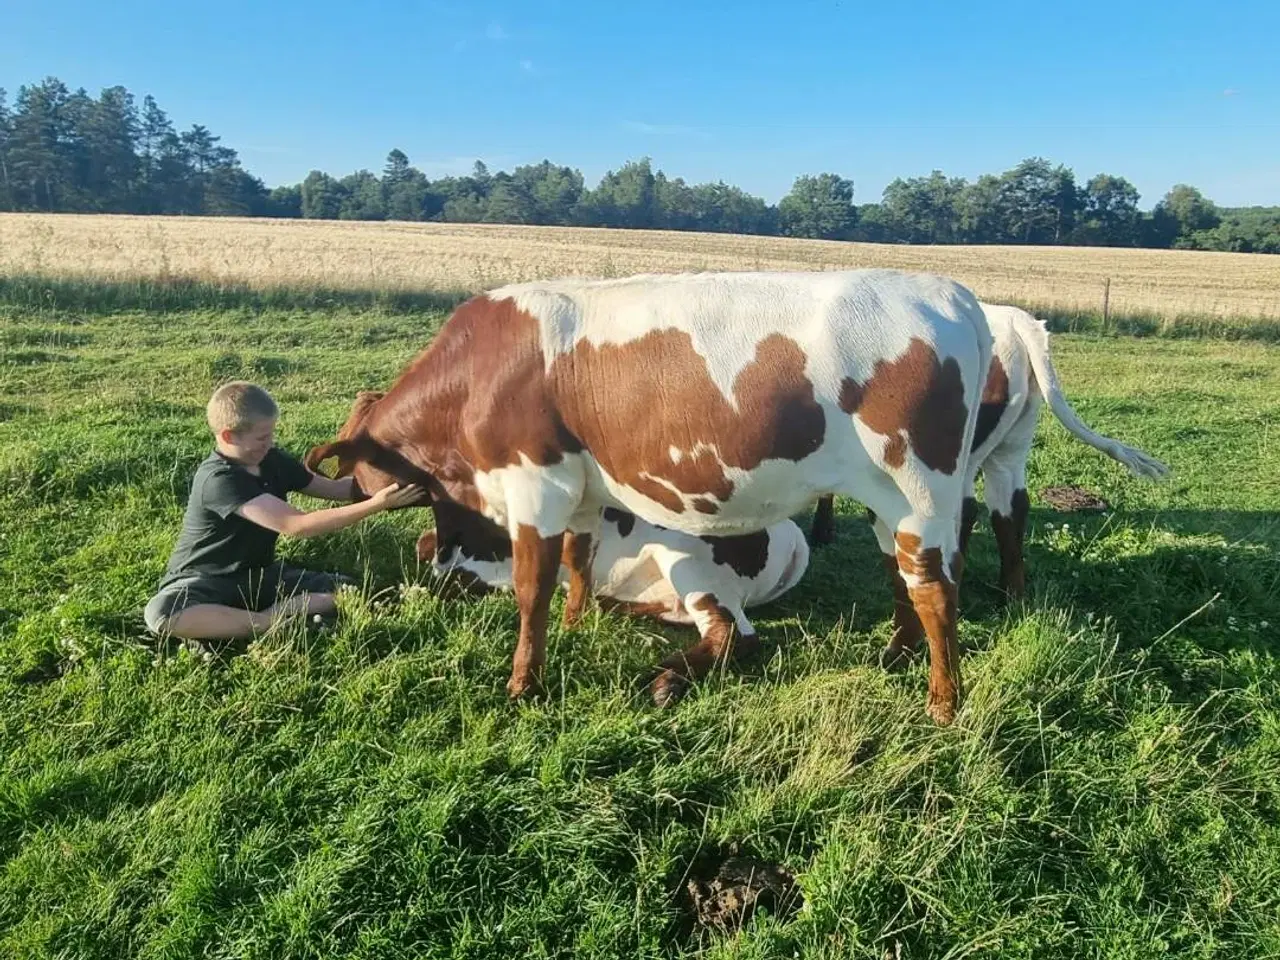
675,453
527,494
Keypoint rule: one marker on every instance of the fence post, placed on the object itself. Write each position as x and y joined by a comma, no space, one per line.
1106,305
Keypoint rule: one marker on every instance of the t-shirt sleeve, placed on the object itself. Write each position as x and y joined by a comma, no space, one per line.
291,470
226,489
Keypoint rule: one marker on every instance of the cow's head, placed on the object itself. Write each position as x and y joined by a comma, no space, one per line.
371,463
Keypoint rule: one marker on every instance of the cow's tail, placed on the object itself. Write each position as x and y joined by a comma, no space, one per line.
1035,339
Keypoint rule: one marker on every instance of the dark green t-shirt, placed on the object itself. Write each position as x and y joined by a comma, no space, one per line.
215,539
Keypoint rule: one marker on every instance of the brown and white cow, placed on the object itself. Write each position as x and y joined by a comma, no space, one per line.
645,570
1020,379
715,403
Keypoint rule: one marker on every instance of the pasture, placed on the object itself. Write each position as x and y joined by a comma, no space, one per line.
1111,787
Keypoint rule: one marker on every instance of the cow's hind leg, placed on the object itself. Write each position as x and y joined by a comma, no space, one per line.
1004,482
930,563
576,554
907,629
927,563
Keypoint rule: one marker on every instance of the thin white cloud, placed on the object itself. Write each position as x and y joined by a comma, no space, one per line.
496,32
1230,92
665,129
528,67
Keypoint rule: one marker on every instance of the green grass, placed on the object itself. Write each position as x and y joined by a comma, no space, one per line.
1111,788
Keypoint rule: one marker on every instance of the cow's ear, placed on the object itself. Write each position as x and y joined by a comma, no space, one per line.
317,455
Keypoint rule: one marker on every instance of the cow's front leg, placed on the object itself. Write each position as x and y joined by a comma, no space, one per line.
541,503
726,636
535,563
716,608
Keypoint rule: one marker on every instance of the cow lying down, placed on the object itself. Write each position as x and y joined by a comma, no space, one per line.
645,570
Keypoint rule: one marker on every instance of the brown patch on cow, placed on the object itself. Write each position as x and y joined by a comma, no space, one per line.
746,553
895,451
536,563
720,642
703,505
934,597
1010,534
426,546
575,553
631,403
925,564
633,608
995,400
624,521
917,395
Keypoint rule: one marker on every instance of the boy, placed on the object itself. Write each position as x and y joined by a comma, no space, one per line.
222,581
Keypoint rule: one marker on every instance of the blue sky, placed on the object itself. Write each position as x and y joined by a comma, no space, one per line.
750,92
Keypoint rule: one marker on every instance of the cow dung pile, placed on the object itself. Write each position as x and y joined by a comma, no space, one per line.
1070,498
725,898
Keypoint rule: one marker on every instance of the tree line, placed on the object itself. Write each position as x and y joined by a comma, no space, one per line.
65,151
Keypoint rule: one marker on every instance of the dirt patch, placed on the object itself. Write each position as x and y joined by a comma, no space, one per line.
1070,499
46,669
725,895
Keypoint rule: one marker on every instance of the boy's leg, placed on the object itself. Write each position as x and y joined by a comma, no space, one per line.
308,591
216,608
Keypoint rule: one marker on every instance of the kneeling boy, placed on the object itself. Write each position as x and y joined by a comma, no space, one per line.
222,580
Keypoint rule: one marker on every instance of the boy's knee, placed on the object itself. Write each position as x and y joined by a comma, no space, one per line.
159,614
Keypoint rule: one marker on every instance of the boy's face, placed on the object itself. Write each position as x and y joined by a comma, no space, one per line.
250,445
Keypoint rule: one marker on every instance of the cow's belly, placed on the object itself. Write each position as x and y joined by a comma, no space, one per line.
771,492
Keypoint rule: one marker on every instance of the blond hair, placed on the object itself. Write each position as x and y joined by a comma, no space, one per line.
238,405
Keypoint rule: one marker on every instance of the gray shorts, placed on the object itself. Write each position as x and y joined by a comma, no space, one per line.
254,590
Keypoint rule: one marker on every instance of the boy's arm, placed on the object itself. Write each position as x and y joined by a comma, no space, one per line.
327,489
275,514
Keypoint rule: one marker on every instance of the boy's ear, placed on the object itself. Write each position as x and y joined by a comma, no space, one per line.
317,455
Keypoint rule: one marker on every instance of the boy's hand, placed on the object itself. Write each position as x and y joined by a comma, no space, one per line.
393,495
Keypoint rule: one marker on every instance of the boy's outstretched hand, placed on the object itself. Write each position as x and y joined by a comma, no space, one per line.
394,496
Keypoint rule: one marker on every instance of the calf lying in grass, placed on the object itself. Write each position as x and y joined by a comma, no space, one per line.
648,571
1020,378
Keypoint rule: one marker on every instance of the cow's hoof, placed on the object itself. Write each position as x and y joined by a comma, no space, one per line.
942,710
668,689
895,659
524,686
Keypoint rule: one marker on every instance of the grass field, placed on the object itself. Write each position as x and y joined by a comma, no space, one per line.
1151,291
1111,788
